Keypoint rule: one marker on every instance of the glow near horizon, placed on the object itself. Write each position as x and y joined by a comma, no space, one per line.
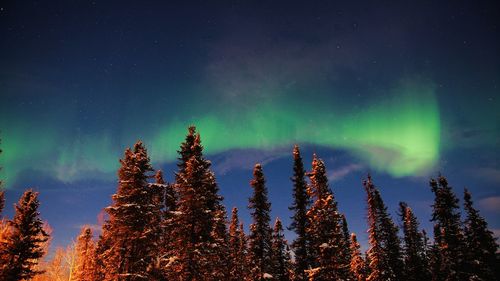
399,135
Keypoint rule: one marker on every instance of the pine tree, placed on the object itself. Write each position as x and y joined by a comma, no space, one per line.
416,266
448,254
133,226
346,246
385,249
301,202
2,201
237,249
324,229
280,259
199,234
161,223
358,266
85,257
480,243
23,246
2,193
260,231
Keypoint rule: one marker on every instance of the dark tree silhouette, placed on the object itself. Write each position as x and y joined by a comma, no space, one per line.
415,260
301,202
280,259
260,232
448,260
480,243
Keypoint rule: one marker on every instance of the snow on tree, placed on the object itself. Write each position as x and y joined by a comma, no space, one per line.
23,245
358,265
384,253
301,202
132,230
324,229
85,267
237,249
260,232
414,251
280,254
199,248
480,243
448,261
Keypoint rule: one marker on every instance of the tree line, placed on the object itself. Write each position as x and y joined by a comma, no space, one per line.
180,231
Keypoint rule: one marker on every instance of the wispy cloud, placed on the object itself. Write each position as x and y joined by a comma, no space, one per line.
491,204
490,174
341,172
246,159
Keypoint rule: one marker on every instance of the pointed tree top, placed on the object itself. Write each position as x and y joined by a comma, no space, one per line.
159,177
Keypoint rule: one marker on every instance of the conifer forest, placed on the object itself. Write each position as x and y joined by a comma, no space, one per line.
244,140
156,230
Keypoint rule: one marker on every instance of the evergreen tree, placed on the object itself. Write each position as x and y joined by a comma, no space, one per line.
346,245
133,224
358,265
448,254
2,200
199,234
85,257
385,249
324,229
23,246
481,245
416,266
280,261
301,202
260,231
237,249
2,192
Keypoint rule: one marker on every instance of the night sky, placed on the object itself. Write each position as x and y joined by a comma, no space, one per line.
401,89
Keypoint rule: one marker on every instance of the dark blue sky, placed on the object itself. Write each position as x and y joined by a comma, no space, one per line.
401,90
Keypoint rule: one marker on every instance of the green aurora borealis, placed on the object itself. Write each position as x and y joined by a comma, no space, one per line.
399,134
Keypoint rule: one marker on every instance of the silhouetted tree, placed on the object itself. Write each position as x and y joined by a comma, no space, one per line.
301,202
448,261
385,249
416,265
280,259
260,231
480,243
24,244
324,229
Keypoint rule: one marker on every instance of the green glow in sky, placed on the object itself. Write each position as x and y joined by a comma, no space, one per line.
398,133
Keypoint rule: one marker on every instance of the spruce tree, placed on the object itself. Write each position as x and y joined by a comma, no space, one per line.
358,265
280,259
415,262
133,225
199,233
2,200
24,244
237,249
260,231
324,229
346,245
301,202
84,269
385,249
480,243
448,256
2,192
